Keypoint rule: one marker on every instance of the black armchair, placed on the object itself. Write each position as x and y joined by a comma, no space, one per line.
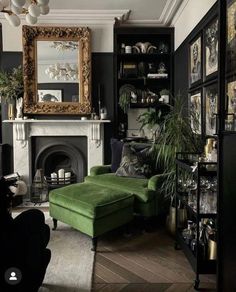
23,253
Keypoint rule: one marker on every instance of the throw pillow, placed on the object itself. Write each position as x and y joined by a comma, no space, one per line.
116,153
133,164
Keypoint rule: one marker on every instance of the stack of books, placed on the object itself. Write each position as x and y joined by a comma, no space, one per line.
157,75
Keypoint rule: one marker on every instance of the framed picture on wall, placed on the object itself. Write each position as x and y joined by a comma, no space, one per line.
231,35
195,61
195,111
231,96
49,95
211,106
211,48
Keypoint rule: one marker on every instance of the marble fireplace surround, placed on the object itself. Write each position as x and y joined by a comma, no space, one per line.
23,130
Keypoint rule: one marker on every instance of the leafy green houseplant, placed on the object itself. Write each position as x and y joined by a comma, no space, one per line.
164,92
176,135
124,101
11,84
164,95
150,119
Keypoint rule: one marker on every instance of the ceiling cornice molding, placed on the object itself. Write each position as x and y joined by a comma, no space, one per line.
77,16
86,16
179,12
143,22
167,15
169,11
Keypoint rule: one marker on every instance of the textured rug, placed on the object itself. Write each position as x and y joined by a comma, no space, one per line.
71,265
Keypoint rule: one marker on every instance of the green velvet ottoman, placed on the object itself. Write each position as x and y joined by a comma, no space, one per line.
90,209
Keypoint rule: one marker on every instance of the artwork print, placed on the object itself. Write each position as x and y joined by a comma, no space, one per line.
195,112
49,95
195,61
211,102
231,23
231,35
211,48
231,92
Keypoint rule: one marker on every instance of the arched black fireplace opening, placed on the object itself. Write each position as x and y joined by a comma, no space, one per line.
65,153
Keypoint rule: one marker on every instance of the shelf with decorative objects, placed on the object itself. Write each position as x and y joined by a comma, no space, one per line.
143,68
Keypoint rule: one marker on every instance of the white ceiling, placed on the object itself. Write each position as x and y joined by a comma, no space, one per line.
160,11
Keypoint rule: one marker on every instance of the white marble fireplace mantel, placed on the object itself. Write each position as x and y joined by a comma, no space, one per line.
23,130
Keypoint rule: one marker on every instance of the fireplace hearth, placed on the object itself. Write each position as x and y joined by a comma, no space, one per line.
24,131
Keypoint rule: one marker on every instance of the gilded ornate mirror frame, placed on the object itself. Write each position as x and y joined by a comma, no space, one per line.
30,36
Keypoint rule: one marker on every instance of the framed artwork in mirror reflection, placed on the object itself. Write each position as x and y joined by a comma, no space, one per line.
195,111
211,105
195,61
211,48
49,95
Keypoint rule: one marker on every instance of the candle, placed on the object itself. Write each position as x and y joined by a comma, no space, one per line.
54,178
99,98
61,175
67,177
99,91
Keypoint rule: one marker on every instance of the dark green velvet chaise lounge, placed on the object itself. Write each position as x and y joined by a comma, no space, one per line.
148,197
105,201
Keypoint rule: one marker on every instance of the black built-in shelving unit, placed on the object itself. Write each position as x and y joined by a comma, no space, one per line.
140,81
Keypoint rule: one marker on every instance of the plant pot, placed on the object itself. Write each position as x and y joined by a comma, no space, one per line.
165,98
171,219
212,249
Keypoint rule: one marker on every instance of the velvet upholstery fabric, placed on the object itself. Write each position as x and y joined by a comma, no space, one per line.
101,169
92,227
89,200
131,164
91,209
136,161
131,185
116,153
148,194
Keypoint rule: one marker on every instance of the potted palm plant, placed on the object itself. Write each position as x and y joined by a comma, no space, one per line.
176,135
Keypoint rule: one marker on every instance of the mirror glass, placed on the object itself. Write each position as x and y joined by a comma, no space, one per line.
57,70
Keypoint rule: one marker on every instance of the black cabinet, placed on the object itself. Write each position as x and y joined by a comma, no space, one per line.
143,68
227,143
196,192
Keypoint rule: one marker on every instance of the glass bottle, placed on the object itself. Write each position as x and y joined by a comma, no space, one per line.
93,114
39,188
188,233
203,241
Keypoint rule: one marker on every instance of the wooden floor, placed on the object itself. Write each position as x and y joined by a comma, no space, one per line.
144,261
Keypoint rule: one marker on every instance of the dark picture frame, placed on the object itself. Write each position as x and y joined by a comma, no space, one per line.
210,48
210,109
195,61
195,111
231,35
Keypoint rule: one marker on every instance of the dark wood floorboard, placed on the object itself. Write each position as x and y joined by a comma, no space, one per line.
143,262
154,287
